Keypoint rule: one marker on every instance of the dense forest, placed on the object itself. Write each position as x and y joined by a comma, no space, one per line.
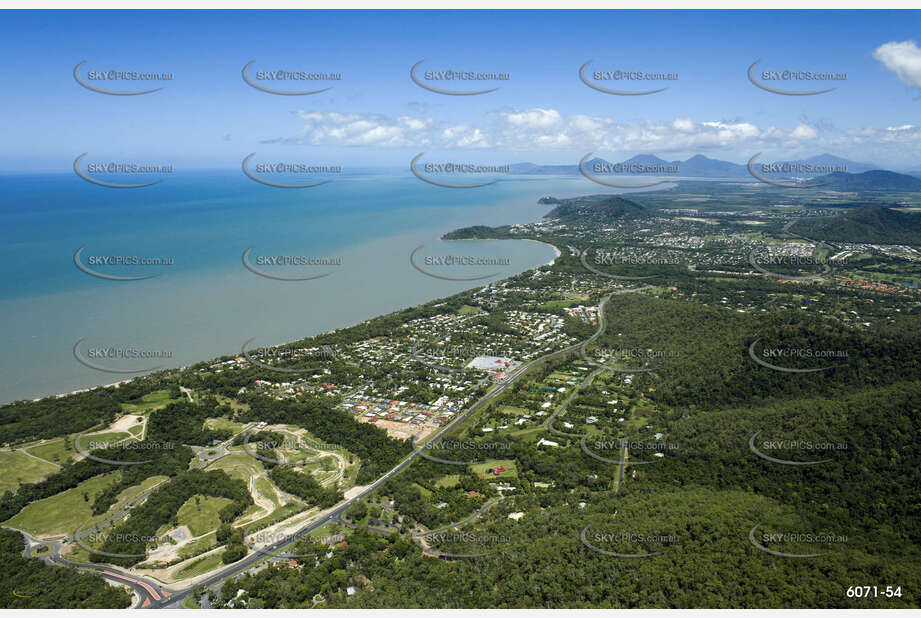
29,583
305,487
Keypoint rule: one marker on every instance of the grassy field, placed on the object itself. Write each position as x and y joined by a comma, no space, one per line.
449,480
233,403
510,470
200,566
469,310
200,546
224,423
17,468
279,514
59,450
134,491
95,440
230,462
513,410
63,513
200,513
326,530
148,403
524,432
265,487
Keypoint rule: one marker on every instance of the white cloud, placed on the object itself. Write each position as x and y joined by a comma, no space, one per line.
683,124
548,130
533,118
357,129
464,136
903,59
804,132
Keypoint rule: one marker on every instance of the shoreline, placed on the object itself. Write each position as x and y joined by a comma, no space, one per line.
183,367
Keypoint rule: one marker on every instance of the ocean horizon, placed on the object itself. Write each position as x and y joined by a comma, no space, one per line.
205,302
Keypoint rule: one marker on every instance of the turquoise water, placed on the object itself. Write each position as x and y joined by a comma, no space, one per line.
206,303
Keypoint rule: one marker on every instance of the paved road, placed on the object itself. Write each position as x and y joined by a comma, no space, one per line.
623,464
337,511
149,594
155,596
602,325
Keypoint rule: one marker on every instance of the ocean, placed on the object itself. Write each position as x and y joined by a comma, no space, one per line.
204,302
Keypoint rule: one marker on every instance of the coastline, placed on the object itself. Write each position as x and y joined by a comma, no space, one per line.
554,247
185,365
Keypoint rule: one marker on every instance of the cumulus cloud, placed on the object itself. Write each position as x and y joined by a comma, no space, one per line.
804,132
549,130
903,59
358,129
464,136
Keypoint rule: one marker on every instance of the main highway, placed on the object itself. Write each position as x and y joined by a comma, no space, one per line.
154,595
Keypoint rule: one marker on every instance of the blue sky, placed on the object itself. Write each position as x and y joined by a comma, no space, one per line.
208,117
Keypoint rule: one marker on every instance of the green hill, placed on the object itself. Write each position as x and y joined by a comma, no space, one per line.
606,210
875,180
869,224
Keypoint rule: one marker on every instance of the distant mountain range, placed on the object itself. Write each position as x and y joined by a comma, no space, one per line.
698,166
868,224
